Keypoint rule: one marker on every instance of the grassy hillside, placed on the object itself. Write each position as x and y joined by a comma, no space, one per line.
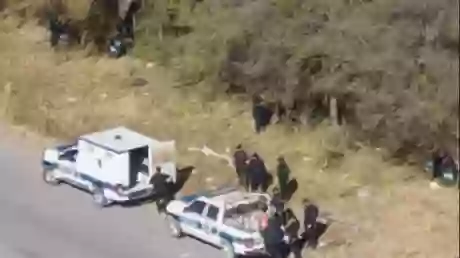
64,94
367,54
392,65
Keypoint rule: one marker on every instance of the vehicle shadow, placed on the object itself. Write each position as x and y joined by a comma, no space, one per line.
291,188
183,174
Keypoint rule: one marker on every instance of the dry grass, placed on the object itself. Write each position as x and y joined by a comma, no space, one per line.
68,94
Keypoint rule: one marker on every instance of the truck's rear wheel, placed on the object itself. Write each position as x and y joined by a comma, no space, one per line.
99,198
174,226
49,177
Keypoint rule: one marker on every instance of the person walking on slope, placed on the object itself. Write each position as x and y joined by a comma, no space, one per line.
261,114
240,158
257,173
311,213
283,171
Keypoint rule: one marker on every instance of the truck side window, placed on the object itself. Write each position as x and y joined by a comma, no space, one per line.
196,207
213,211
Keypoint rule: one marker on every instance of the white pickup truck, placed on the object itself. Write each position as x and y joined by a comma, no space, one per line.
114,165
227,218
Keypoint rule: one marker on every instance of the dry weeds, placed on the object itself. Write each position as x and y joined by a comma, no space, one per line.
379,212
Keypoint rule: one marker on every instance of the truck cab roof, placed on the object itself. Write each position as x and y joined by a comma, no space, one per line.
118,140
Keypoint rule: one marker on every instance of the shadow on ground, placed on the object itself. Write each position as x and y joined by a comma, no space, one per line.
183,174
292,187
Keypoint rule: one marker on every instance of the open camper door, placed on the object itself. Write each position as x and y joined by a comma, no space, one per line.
163,154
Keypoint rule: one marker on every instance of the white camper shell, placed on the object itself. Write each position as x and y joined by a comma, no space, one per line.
114,165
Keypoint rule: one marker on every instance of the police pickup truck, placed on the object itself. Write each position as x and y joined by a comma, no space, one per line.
115,165
226,218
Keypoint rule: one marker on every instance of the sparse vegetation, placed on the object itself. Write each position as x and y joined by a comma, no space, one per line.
391,65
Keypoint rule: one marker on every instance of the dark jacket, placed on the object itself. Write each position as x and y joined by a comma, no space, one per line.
437,164
261,114
257,170
273,233
311,213
239,158
283,172
292,227
159,183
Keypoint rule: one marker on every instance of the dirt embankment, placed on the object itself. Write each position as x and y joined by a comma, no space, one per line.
382,210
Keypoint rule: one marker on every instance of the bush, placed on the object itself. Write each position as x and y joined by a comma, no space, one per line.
392,65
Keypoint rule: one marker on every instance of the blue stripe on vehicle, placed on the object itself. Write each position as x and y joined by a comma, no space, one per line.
95,181
98,183
227,236
48,165
190,222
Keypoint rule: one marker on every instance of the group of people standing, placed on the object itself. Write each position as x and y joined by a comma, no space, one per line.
285,223
253,176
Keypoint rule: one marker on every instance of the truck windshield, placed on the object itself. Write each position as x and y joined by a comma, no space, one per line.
69,155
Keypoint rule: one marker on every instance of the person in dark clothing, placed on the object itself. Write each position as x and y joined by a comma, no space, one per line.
273,236
162,190
437,162
253,181
311,213
57,28
277,202
257,173
240,158
283,171
261,114
292,227
128,21
125,28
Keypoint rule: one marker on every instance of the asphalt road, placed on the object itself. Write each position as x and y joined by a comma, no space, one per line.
41,221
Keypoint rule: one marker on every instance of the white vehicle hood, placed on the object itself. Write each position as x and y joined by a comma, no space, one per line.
175,207
51,155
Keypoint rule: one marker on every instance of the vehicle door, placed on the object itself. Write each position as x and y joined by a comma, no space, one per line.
192,219
212,224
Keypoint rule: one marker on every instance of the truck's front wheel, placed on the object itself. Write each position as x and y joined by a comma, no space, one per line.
174,226
99,198
227,248
49,177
